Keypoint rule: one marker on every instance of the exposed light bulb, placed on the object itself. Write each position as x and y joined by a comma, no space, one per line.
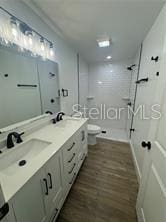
25,41
51,50
42,44
14,27
30,40
14,32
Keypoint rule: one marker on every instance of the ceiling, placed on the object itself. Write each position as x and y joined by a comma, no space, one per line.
82,22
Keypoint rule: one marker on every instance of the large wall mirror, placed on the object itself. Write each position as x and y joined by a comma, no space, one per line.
28,86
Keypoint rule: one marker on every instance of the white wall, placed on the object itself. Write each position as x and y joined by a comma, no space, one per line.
83,82
109,83
152,46
66,56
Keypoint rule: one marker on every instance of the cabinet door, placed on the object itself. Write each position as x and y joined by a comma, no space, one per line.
28,203
55,182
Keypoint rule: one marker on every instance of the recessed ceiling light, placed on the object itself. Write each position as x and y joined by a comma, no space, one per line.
100,82
109,57
103,43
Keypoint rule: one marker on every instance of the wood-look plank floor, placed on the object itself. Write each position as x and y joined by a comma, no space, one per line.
106,187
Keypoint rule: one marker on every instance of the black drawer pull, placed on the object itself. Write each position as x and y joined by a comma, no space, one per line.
83,135
73,178
72,158
45,180
72,168
50,187
142,80
71,146
4,210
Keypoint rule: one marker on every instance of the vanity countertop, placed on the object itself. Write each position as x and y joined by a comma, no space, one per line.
55,134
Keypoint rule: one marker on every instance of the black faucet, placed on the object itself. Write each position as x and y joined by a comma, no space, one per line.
10,142
53,120
59,116
49,112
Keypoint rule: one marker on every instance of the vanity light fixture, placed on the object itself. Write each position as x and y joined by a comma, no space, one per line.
14,31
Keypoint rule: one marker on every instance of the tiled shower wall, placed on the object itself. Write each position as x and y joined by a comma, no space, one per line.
83,82
109,83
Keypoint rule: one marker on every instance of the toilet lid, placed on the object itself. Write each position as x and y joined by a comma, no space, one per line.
93,129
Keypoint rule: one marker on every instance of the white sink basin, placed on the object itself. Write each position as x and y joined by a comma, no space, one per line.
25,152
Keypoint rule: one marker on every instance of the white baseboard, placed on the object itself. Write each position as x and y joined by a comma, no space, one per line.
135,162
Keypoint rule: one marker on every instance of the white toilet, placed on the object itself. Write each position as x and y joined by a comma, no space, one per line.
93,131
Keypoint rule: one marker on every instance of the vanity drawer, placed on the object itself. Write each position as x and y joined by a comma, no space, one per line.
69,149
72,177
82,155
70,160
69,182
70,169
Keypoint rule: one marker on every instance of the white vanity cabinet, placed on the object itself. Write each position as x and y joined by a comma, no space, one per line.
74,153
40,197
28,203
70,154
6,210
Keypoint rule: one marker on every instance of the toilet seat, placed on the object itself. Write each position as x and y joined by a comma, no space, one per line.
93,129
